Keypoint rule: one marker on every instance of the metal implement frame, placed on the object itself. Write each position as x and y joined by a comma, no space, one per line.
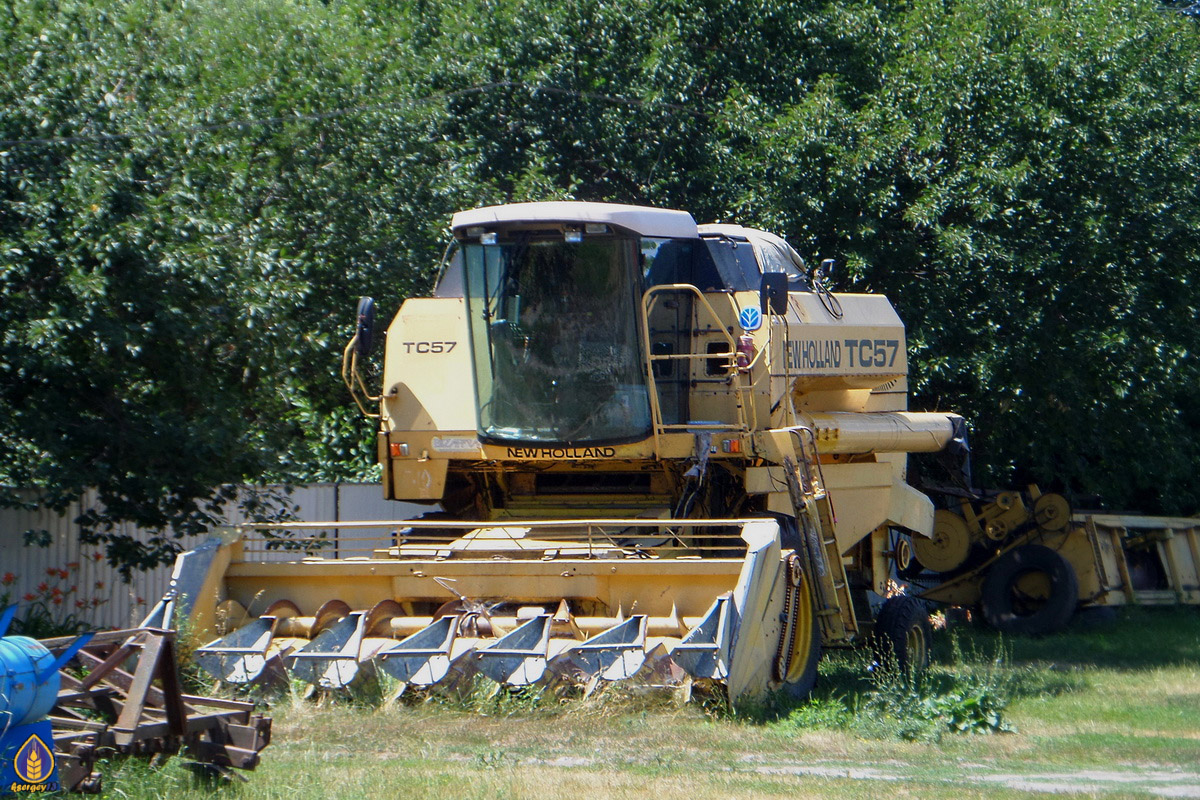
128,700
1098,548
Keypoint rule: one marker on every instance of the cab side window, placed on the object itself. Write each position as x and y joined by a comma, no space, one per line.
680,261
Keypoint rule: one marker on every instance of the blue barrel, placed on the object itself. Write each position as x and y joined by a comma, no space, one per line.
22,698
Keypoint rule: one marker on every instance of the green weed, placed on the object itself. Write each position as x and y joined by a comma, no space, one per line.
970,694
822,713
161,778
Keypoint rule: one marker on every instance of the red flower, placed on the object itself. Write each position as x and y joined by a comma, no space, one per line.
62,573
97,556
30,597
43,587
57,601
81,603
8,579
51,571
73,565
99,584
56,592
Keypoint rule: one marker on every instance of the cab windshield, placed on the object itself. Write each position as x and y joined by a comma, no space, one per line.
555,340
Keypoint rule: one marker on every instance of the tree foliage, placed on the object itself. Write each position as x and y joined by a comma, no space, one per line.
193,194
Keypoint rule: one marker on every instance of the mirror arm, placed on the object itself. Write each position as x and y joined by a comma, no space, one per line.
354,381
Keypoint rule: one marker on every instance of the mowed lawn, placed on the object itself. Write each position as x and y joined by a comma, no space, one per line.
1112,711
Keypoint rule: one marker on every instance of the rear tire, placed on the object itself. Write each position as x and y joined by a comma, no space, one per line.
1031,590
903,633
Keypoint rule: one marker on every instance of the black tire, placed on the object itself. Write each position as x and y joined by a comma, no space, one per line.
903,634
1009,608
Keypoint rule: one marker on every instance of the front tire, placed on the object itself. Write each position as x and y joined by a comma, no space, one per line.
903,633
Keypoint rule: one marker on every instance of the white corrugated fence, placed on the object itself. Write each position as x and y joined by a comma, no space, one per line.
70,578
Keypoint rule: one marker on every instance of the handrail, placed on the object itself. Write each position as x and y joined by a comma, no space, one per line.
640,522
649,298
263,542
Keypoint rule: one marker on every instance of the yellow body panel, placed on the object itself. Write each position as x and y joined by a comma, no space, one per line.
427,379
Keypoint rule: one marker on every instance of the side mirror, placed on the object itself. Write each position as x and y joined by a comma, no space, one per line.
364,326
824,272
773,294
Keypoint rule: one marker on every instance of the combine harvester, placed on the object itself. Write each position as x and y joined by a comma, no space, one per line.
664,453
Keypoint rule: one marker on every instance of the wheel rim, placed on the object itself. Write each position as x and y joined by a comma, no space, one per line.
1030,592
915,646
801,646
904,554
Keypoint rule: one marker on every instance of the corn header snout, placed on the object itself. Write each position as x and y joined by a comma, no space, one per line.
581,604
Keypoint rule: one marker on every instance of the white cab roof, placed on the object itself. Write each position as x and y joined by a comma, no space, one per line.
656,222
774,254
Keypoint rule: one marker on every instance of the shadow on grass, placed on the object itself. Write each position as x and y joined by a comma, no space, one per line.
1139,638
976,673
166,776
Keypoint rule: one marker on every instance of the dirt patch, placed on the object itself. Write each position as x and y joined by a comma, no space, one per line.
1162,782
819,771
561,761
1151,780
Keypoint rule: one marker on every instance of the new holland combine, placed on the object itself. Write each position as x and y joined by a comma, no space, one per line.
660,452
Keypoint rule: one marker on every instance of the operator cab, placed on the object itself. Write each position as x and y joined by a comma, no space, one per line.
726,258
553,295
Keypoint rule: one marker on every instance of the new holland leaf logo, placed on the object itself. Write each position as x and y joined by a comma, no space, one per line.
34,761
750,319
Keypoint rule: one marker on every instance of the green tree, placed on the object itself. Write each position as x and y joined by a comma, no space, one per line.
193,195
1021,183
175,302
